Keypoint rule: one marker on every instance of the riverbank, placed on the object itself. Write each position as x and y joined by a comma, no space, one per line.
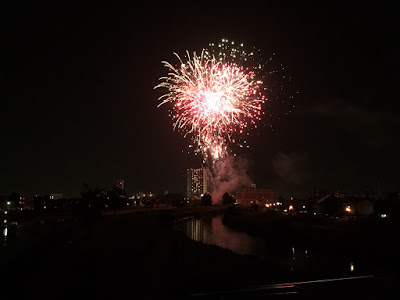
123,256
370,243
136,255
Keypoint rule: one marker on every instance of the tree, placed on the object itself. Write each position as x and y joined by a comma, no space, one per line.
206,200
92,201
116,198
14,200
38,202
177,200
227,199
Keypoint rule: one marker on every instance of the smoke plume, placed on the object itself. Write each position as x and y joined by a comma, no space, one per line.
291,167
228,175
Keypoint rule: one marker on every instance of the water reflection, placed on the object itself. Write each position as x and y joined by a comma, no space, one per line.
212,231
5,234
9,230
298,260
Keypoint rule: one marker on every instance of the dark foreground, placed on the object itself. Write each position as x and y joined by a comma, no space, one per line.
139,256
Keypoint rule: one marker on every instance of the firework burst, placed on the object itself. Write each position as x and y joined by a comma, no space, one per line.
216,97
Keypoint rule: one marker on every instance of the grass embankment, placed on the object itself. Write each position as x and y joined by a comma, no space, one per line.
305,228
370,241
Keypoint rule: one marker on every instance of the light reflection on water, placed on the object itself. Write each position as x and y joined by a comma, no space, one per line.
5,234
288,256
211,231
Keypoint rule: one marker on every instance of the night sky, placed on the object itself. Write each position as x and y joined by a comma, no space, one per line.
77,98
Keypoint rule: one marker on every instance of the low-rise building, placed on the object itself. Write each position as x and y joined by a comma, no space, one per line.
248,197
343,205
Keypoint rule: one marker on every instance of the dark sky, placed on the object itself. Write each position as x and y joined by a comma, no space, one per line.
77,98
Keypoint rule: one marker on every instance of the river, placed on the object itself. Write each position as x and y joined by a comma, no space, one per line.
305,262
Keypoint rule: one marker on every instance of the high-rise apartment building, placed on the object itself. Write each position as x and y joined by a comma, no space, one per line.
198,182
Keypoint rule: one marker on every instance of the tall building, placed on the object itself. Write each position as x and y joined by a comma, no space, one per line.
198,182
120,183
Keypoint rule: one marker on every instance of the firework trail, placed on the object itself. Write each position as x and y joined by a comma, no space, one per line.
216,97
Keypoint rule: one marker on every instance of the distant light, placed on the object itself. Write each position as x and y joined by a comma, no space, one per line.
290,207
382,215
351,267
348,209
44,207
5,231
8,202
304,206
266,205
5,221
5,212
